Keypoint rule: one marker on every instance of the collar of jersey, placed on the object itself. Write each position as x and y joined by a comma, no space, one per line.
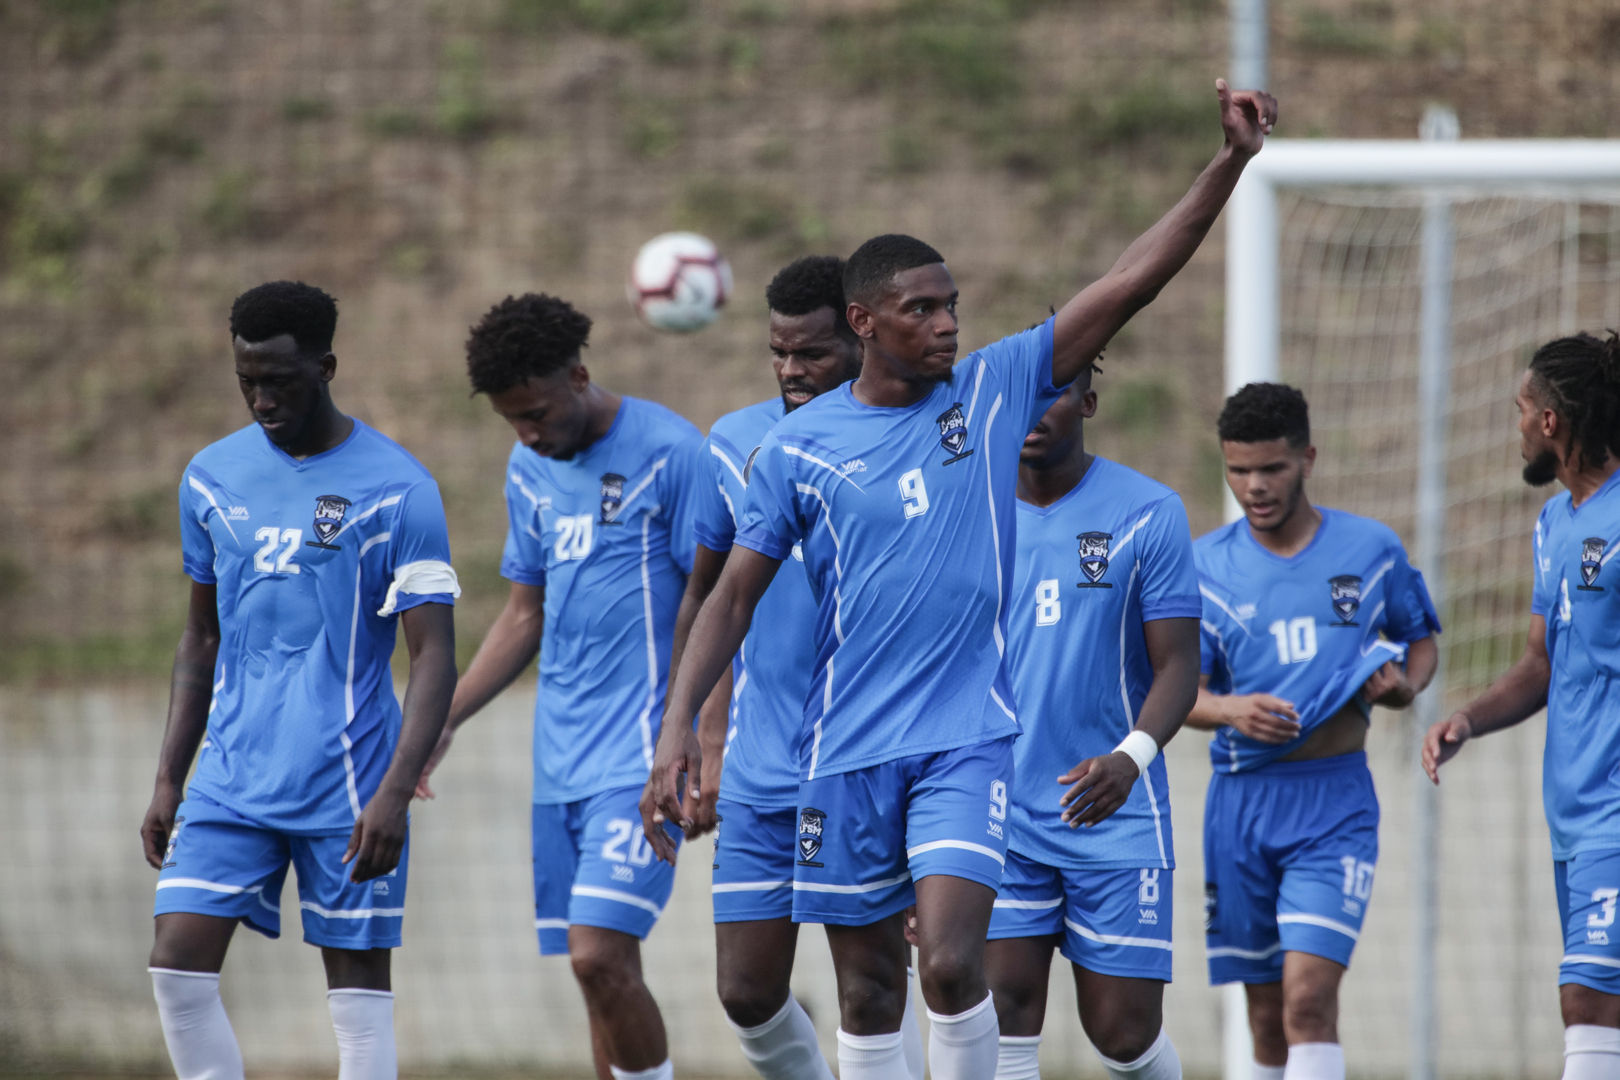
1294,559
1052,507
288,459
1603,489
848,390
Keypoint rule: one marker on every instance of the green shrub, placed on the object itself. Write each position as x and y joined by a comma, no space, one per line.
396,123
1322,32
228,212
464,111
719,207
296,110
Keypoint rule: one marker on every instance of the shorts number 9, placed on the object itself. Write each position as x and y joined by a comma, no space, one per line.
998,800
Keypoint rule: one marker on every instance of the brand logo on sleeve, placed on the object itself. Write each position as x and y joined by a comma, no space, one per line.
329,513
237,513
1345,592
612,498
851,467
953,433
812,823
1591,563
1094,559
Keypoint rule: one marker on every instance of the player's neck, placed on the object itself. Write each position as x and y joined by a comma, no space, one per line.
601,410
885,384
326,431
1046,484
1293,535
1584,483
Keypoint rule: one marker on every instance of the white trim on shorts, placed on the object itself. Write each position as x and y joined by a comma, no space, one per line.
1030,905
358,913
551,924
599,893
1317,920
1583,958
1117,939
932,845
750,886
871,886
1244,954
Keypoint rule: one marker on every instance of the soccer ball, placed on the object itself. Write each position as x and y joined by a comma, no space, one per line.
679,282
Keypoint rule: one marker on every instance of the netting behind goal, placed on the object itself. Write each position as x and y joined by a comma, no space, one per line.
1526,269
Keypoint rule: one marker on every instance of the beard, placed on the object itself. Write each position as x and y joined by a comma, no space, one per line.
1542,469
1290,505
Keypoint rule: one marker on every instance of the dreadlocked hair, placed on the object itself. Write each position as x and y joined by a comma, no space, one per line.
1579,377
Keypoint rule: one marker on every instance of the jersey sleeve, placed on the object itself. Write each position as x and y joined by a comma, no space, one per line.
1409,613
1169,575
1541,596
715,523
1022,365
523,560
683,483
196,543
419,553
770,522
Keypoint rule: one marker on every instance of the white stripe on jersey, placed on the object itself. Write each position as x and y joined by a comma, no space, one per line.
812,459
838,607
1125,697
645,720
1218,602
392,500
209,495
721,454
348,678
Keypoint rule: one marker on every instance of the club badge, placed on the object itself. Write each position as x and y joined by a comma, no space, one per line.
1094,559
953,433
1591,563
612,498
1345,592
329,511
812,823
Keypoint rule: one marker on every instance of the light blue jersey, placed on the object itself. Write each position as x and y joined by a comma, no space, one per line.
771,674
608,535
313,560
1311,628
1113,553
1579,596
906,520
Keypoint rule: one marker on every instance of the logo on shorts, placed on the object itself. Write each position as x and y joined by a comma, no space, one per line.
1094,559
329,511
812,823
1591,563
1209,908
174,838
379,888
612,498
1345,592
953,433
623,873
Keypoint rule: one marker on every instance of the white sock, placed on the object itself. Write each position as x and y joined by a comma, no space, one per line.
1314,1061
911,1029
1019,1058
666,1071
363,1021
1159,1062
964,1046
785,1046
195,1027
870,1057
1268,1072
1591,1052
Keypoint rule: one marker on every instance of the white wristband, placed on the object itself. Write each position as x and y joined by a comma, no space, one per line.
1140,748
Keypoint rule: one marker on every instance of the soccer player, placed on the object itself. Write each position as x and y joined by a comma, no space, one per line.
308,538
600,493
756,798
1569,431
1311,617
898,488
1103,650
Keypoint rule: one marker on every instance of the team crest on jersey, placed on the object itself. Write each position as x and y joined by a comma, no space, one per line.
953,433
748,466
812,823
1591,563
1345,592
329,512
612,498
1094,559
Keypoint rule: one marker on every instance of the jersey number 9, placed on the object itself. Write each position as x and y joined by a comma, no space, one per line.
914,494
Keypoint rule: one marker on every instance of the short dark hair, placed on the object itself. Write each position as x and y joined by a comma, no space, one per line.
874,264
286,307
525,337
810,284
1263,411
1579,377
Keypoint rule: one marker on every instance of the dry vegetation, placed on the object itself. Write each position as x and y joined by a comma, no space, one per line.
422,158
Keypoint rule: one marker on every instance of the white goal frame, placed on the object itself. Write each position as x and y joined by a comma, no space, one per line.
1446,170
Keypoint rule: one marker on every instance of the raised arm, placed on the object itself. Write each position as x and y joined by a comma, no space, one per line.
1089,321
509,648
379,834
1516,695
191,690
716,635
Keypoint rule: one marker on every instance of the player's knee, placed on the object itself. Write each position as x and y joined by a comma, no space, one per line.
949,975
867,1005
1125,1034
749,1002
1310,1012
602,973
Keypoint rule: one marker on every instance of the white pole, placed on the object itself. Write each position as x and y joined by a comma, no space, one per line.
1250,43
1434,394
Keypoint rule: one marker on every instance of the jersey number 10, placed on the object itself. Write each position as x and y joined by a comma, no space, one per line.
1296,639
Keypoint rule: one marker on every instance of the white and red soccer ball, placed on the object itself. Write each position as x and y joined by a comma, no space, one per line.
679,282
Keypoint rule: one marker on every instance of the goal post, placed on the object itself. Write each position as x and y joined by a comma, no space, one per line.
1389,231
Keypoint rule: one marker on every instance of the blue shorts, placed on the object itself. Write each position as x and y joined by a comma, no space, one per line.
594,867
1588,887
220,863
864,836
1289,853
753,862
1113,922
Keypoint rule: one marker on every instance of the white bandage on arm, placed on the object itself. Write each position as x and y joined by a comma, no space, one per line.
1140,748
421,577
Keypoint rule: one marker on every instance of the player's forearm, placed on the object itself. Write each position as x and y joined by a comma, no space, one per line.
713,720
1422,661
717,634
1169,700
1207,712
706,567
430,635
511,646
1159,254
1517,694
191,690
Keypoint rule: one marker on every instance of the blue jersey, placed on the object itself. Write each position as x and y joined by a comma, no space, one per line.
312,561
771,673
906,520
1580,598
608,535
1092,568
1310,629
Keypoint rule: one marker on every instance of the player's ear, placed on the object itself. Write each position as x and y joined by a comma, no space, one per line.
578,377
328,367
1088,404
861,321
1309,457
